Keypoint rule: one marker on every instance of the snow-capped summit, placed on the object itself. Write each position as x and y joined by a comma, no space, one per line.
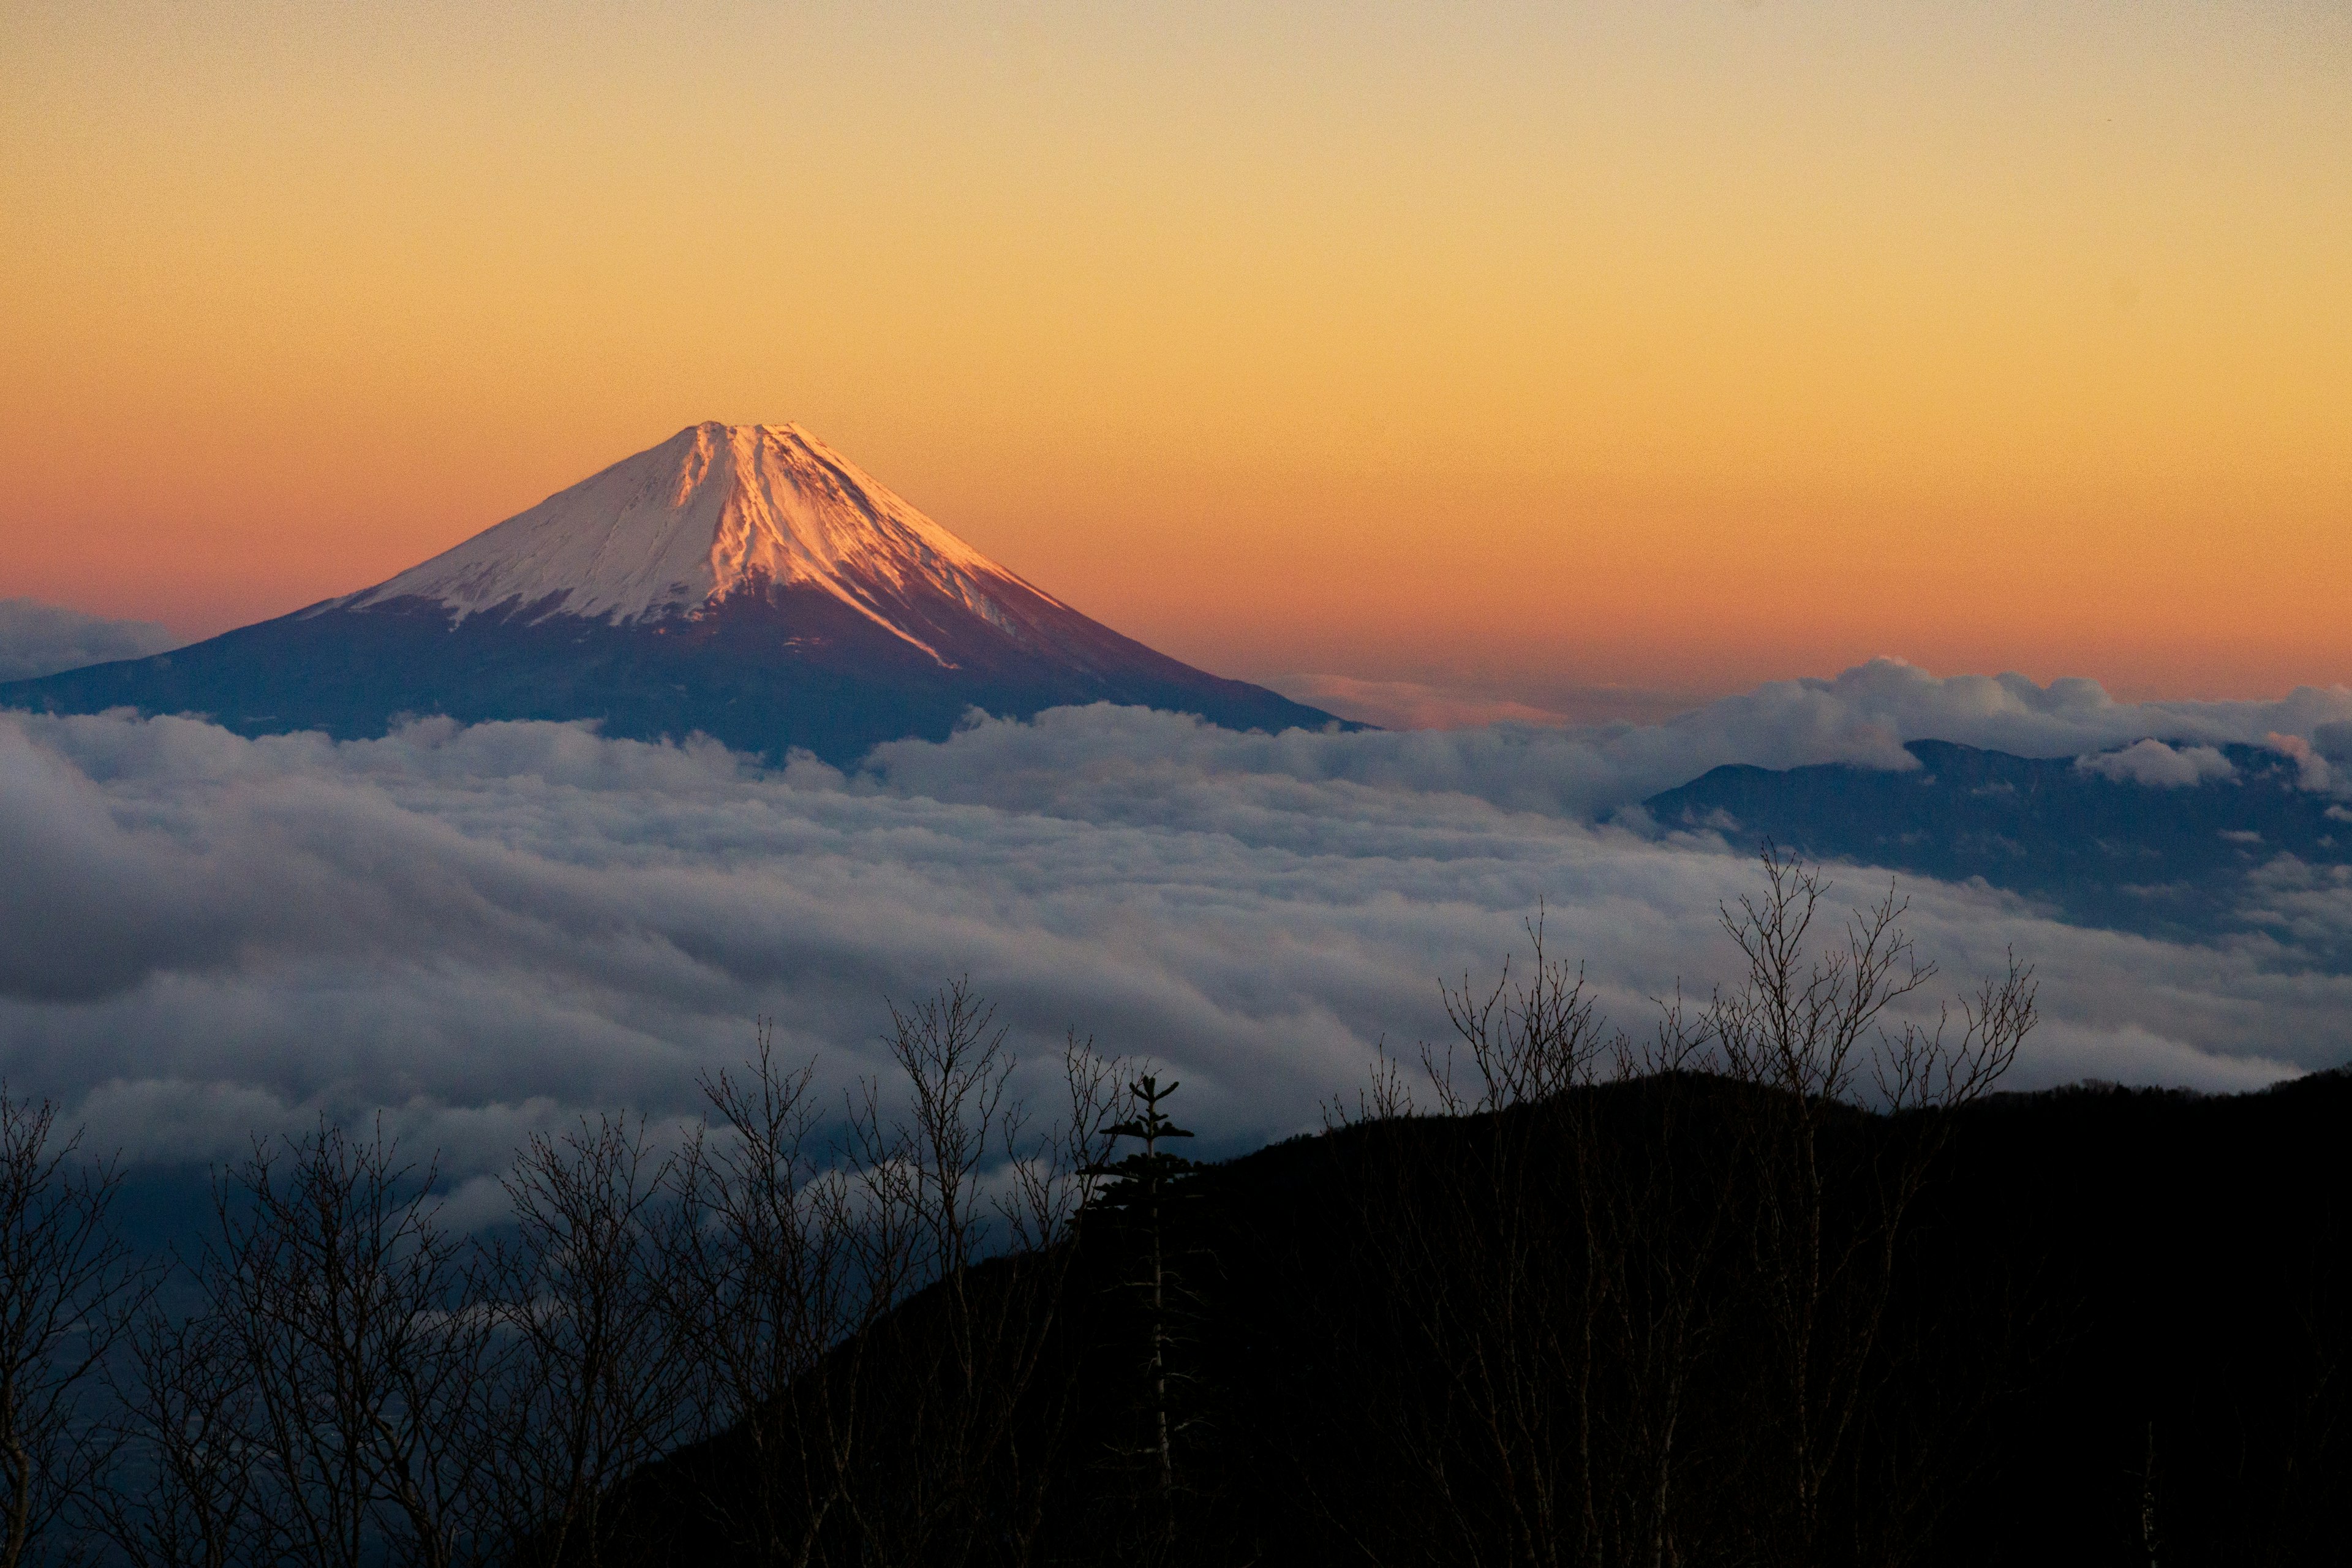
744,581
715,510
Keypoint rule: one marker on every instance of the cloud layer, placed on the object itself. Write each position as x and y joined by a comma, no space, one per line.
1126,758
2159,766
39,639
483,929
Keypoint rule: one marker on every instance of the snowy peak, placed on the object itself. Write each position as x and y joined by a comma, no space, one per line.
743,582
715,510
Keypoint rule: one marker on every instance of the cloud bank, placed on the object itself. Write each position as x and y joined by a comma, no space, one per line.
37,638
2159,766
1131,759
484,929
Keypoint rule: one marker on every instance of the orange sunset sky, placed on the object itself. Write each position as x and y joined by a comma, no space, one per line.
1524,351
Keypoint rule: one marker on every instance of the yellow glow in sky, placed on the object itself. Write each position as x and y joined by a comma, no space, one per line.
1670,346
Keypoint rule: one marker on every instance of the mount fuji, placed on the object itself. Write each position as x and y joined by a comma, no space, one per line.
745,581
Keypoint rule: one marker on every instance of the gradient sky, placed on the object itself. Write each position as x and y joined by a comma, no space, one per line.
1520,349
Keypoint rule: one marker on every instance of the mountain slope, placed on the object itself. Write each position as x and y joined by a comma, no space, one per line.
2192,861
744,581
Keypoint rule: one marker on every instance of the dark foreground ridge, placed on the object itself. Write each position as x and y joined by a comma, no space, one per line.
2113,1331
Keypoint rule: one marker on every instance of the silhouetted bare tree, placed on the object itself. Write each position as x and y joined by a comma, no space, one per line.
596,1374
1810,1022
872,1295
344,1298
67,1291
181,1493
1488,1264
1568,1264
774,1286
968,1211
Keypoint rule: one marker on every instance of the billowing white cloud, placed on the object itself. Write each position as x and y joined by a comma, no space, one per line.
1862,717
39,639
2159,766
2314,771
480,930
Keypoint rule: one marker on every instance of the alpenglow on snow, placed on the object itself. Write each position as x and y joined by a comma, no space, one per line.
744,581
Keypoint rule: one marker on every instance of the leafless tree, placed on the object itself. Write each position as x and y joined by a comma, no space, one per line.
181,1492
1487,1260
358,1386
871,1293
67,1291
772,1286
976,1277
1571,1251
342,1296
595,1377
1661,1191
1811,1021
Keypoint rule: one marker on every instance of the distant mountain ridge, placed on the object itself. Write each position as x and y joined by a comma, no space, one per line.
2184,862
747,582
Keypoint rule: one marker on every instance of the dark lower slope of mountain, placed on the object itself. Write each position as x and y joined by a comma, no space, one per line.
2114,1330
2178,862
764,672
745,581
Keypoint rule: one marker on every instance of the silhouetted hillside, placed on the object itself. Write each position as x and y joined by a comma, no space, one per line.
2113,1326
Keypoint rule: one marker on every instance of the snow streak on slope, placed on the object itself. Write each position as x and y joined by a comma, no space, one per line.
714,510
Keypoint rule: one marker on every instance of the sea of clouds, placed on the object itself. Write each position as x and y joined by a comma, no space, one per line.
484,931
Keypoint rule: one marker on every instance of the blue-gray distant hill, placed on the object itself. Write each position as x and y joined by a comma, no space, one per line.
747,582
2190,860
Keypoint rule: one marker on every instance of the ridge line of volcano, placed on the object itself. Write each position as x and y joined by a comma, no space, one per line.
750,583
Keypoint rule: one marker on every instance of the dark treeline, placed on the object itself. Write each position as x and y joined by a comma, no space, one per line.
1782,1279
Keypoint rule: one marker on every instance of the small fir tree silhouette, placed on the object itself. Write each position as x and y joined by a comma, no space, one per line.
1140,1190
